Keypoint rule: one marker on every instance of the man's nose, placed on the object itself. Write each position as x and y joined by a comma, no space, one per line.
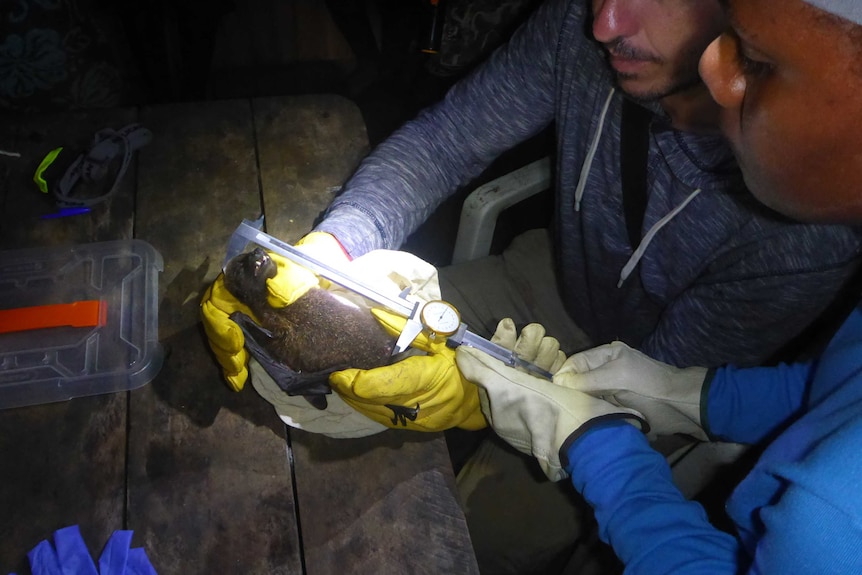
719,68
614,19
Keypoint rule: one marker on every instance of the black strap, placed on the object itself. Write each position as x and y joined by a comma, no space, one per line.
634,151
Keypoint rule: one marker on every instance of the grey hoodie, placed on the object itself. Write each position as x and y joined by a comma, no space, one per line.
718,277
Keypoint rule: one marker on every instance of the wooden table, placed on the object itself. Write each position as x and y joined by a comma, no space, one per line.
210,480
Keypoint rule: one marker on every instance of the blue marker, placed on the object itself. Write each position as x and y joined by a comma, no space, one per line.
66,212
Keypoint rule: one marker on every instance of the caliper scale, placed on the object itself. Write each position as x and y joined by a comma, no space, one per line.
437,318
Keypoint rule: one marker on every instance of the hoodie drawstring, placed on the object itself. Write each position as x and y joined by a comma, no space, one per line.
591,153
582,184
639,252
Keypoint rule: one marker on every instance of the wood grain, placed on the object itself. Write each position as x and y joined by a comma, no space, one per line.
209,484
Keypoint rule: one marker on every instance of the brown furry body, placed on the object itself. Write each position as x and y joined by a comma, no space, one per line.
317,332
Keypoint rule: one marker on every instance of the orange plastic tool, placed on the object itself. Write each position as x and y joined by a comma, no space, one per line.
88,313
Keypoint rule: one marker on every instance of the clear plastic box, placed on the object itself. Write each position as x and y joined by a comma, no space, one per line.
59,363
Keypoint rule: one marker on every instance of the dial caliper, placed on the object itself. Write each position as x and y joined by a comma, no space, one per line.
437,318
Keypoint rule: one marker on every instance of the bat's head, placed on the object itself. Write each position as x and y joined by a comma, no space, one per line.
246,274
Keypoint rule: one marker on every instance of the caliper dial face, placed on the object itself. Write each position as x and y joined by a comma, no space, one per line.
440,318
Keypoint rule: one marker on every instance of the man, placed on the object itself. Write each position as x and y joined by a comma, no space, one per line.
788,78
710,254
710,277
682,263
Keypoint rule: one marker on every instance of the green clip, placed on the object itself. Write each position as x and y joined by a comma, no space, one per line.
43,165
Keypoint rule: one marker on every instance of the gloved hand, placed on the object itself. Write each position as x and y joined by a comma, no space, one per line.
423,392
390,394
531,345
536,416
668,397
386,271
291,282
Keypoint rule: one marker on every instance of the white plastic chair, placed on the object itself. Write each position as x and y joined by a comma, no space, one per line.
485,204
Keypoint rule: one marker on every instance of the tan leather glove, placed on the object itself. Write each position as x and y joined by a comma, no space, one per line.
667,396
291,282
531,345
535,416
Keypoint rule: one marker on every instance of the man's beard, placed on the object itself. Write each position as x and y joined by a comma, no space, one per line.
679,81
651,94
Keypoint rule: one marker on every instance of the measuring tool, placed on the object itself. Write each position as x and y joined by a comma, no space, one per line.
438,318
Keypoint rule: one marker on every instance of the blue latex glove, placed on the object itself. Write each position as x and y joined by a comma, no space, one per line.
69,556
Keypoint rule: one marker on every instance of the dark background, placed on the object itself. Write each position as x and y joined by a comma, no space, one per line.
391,57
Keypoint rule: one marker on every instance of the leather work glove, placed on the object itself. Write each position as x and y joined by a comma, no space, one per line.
291,282
386,271
531,345
422,392
390,394
536,416
670,398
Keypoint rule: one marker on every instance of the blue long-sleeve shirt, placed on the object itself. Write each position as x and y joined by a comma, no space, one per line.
798,511
725,281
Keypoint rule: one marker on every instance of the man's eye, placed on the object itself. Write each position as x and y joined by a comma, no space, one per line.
751,67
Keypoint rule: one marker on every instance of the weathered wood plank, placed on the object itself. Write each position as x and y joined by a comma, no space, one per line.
308,146
382,504
62,463
209,484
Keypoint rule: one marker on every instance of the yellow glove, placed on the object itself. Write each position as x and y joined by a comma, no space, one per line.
423,393
290,282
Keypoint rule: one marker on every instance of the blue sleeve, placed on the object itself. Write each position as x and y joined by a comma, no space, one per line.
507,100
641,514
815,526
753,404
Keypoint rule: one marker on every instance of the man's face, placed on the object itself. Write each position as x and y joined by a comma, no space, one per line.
789,83
654,45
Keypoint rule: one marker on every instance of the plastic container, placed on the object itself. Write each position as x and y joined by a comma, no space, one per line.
59,363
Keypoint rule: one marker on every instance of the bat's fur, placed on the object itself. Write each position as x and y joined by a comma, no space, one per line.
317,332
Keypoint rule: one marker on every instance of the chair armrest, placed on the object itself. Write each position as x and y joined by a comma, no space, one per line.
484,204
